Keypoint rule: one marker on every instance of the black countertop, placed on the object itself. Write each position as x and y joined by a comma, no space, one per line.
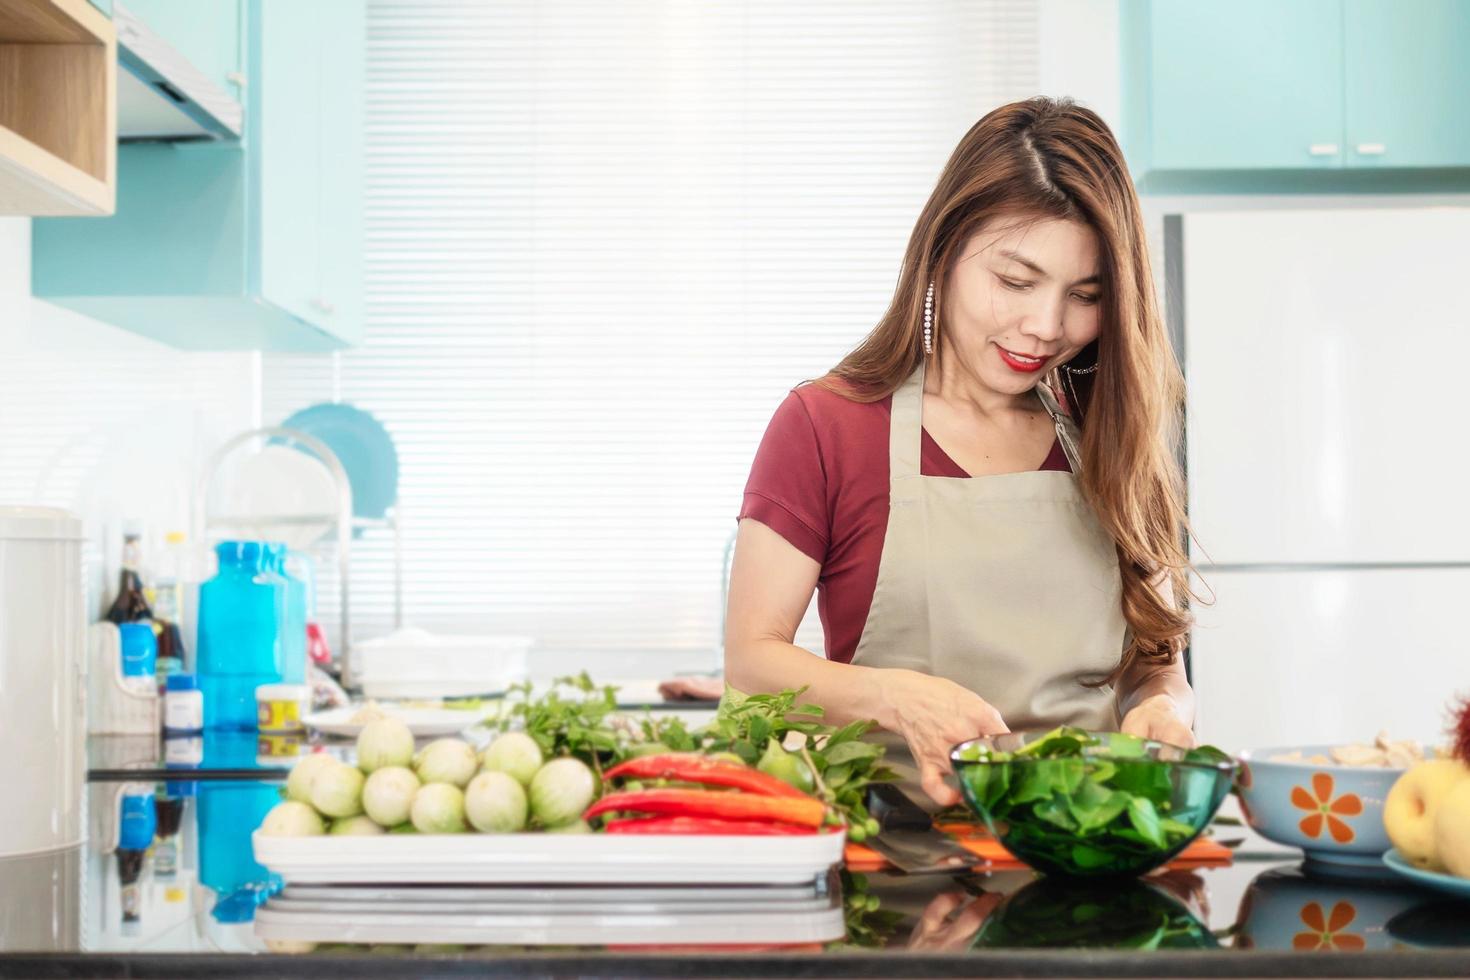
68,913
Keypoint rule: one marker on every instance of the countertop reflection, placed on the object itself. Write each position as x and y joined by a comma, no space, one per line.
168,869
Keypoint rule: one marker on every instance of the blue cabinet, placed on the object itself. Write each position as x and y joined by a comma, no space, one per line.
311,228
1408,83
1229,91
255,244
206,32
1261,95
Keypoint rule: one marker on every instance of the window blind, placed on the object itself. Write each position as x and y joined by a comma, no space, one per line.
603,242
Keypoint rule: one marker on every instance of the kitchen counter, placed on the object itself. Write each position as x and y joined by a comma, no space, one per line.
189,909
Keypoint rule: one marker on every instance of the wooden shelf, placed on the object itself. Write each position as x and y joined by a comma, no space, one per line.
58,108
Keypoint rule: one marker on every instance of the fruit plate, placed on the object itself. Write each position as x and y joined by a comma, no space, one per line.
544,858
423,722
1439,881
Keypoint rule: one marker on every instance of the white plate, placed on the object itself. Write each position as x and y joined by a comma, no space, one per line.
541,858
423,722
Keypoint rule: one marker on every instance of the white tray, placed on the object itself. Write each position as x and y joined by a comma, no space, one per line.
533,858
636,916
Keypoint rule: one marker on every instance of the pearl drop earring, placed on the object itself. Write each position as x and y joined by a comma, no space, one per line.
929,319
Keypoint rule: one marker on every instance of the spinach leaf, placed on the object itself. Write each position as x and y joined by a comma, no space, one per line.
1056,812
1145,820
1087,856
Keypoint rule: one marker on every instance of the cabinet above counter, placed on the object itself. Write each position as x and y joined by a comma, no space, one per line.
181,69
254,243
1317,95
58,125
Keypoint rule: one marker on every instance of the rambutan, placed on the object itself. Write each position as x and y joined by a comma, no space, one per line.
1460,731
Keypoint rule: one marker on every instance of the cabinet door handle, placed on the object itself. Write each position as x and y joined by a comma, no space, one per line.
1323,149
322,305
1372,149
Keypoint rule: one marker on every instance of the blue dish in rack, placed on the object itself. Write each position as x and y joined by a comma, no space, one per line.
364,448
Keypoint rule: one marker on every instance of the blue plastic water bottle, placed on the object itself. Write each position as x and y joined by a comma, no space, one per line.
240,644
139,657
293,617
229,812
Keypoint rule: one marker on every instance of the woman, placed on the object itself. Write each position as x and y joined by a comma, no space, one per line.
985,493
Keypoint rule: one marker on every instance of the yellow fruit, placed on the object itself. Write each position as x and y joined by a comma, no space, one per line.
1410,809
1452,829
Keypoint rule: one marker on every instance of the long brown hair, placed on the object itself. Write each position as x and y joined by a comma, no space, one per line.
1044,159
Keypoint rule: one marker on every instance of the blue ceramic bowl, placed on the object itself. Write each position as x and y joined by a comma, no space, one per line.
1333,813
1288,908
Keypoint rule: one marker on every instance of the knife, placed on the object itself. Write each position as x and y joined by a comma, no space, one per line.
907,836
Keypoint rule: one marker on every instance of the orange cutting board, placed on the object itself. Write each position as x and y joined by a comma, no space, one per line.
1202,852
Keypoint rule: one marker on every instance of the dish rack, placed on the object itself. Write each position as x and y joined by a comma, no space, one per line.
342,520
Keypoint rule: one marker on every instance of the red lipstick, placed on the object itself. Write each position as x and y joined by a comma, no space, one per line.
1016,363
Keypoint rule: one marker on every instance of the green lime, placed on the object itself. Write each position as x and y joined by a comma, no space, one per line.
786,767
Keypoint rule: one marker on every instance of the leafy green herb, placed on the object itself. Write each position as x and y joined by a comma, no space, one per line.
868,925
841,764
566,725
832,762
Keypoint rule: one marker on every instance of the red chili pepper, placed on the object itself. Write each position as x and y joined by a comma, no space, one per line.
805,811
704,825
695,768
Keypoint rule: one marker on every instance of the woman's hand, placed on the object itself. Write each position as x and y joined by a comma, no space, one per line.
933,714
951,919
1161,719
1188,887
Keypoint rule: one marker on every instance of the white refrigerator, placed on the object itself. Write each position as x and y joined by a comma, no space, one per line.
1327,354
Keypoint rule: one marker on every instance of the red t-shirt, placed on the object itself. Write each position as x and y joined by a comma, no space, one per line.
820,480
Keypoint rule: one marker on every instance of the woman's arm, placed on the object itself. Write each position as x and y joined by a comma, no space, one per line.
1155,700
771,584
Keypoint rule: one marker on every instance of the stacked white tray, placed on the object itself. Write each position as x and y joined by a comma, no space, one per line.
563,889
556,915
542,858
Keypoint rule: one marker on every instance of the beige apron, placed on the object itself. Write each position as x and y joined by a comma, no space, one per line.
1005,584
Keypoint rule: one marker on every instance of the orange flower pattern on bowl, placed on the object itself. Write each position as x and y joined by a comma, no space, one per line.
1325,811
1326,932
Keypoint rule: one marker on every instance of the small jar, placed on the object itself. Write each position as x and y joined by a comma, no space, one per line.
183,704
183,752
281,707
280,750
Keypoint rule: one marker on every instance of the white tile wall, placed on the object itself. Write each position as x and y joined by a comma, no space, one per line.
1316,657
102,422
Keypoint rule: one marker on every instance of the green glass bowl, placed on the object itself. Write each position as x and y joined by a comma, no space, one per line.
1068,801
1051,913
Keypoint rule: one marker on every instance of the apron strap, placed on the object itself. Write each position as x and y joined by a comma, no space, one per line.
906,427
